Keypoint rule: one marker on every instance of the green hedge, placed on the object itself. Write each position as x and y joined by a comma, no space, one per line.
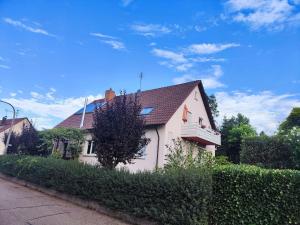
248,195
174,198
269,152
242,195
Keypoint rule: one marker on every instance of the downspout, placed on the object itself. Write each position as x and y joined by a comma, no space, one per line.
157,149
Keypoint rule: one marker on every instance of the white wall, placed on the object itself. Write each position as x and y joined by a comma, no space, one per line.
147,162
17,128
196,106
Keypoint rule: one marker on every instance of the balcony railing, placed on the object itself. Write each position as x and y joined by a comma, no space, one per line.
195,132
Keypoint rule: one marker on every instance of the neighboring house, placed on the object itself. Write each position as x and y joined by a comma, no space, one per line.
178,111
17,128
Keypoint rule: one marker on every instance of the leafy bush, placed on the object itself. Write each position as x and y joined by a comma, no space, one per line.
186,155
249,195
177,197
62,141
269,152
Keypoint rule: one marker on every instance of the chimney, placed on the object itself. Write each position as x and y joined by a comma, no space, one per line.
109,95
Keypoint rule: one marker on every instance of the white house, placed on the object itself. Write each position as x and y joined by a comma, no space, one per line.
178,111
17,127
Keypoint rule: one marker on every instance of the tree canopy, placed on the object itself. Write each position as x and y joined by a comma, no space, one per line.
293,120
119,131
233,131
212,101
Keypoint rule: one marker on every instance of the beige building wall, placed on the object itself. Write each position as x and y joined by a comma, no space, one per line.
195,105
148,162
17,128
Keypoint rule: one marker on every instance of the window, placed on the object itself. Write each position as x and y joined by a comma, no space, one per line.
146,110
200,121
196,96
90,150
143,156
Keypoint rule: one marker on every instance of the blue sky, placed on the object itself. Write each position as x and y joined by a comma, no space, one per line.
53,54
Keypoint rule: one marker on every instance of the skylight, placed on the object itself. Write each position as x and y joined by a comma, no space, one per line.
146,111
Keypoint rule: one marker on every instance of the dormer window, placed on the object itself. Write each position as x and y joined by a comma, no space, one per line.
146,110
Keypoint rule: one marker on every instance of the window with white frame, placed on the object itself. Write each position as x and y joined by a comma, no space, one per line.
90,147
144,154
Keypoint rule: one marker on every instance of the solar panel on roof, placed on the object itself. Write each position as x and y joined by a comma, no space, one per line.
146,111
91,107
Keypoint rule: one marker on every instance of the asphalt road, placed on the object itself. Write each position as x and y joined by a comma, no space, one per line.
20,205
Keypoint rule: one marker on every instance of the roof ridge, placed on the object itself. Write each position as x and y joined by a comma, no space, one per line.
154,89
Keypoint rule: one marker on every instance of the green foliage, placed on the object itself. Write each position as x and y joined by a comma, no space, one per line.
233,131
293,120
292,137
52,137
221,161
269,152
177,198
186,155
212,101
248,195
119,131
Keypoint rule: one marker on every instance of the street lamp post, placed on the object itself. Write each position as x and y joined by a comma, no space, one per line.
11,126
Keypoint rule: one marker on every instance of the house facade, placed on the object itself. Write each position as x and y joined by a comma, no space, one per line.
17,128
178,111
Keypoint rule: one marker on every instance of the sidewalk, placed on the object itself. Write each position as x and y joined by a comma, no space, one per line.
20,205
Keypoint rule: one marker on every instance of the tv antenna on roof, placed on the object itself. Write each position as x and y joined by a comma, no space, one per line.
141,78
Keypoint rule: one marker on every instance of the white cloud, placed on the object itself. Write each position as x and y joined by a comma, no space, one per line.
102,35
173,56
110,40
265,109
46,113
17,23
4,66
206,48
210,78
126,2
36,95
150,30
208,59
271,14
12,94
118,45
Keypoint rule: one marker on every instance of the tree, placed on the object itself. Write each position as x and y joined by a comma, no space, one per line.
293,120
212,102
66,141
27,142
233,131
119,131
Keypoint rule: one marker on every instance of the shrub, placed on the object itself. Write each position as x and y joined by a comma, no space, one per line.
169,198
249,195
187,155
269,152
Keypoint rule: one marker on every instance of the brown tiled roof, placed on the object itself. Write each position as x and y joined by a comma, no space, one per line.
165,101
7,123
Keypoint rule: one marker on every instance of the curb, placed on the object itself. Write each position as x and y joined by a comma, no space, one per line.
80,202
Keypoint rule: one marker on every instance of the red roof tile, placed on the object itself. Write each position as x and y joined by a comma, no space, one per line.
165,101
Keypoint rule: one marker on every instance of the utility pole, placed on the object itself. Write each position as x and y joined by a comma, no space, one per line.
11,126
